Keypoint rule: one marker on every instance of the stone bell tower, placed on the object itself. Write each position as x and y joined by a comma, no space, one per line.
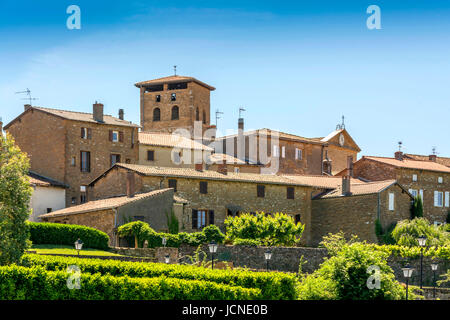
174,102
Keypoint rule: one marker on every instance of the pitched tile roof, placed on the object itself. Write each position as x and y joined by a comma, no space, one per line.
79,116
326,182
226,159
170,140
103,204
410,164
441,160
359,189
173,79
207,175
281,135
39,180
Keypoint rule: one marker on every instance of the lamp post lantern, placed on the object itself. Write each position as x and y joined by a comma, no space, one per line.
422,242
167,258
212,249
267,256
434,267
164,241
407,273
78,245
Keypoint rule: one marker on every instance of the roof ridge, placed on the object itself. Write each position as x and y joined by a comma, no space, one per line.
81,112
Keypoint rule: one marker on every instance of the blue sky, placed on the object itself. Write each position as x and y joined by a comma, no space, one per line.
295,66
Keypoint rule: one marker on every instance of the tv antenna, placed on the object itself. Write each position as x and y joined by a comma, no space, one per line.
175,70
28,93
400,146
241,110
217,115
434,151
342,125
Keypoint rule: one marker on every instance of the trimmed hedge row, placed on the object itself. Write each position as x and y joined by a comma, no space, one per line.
20,283
67,234
273,285
442,252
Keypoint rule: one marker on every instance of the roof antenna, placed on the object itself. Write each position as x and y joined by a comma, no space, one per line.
217,115
400,146
342,125
175,70
434,151
241,110
28,93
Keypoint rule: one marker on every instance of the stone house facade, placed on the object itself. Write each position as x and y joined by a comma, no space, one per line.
428,179
356,211
108,214
73,147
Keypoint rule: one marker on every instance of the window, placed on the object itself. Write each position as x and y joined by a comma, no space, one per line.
173,97
115,158
49,210
175,113
298,154
260,191
86,133
176,156
297,218
290,191
156,114
73,200
73,161
150,155
276,151
158,87
204,117
391,201
236,169
414,177
203,187
201,218
438,199
83,198
283,151
158,98
440,180
115,136
174,86
197,115
413,192
85,159
447,199
173,184
128,161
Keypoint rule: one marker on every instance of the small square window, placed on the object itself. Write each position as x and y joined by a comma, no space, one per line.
440,180
414,177
298,154
115,136
203,187
150,155
261,191
74,200
290,191
173,97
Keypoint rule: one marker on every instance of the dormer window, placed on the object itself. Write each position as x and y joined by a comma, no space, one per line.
173,97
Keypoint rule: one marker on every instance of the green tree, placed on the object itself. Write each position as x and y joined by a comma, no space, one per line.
406,233
277,230
15,193
137,229
417,207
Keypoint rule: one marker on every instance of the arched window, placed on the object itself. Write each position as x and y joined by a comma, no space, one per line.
156,114
204,117
175,113
197,115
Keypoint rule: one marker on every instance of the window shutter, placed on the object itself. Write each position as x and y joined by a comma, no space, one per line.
436,200
391,201
88,161
89,133
211,216
447,199
283,151
82,133
296,153
110,135
421,194
120,136
194,219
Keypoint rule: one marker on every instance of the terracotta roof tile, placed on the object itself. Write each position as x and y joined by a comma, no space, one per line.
411,164
173,79
360,189
326,182
103,204
441,160
39,180
170,140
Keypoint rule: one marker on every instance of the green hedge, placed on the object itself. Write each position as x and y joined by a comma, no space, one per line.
273,285
67,234
20,283
442,252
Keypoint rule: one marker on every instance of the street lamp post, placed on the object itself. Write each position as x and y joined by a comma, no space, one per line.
164,241
407,273
422,242
267,256
167,258
212,249
78,246
434,267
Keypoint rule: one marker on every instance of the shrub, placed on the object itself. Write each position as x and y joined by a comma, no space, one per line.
277,230
15,193
172,222
407,231
246,242
213,233
136,229
384,236
273,285
39,284
67,234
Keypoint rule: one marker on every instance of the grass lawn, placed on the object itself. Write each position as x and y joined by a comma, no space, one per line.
62,249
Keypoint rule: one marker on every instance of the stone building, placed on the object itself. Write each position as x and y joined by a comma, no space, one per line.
108,214
354,210
428,179
48,195
74,147
174,102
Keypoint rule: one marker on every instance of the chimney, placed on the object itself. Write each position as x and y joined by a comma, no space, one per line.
130,184
97,111
241,124
399,155
240,140
346,186
222,168
121,113
350,166
199,166
26,107
327,166
432,157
